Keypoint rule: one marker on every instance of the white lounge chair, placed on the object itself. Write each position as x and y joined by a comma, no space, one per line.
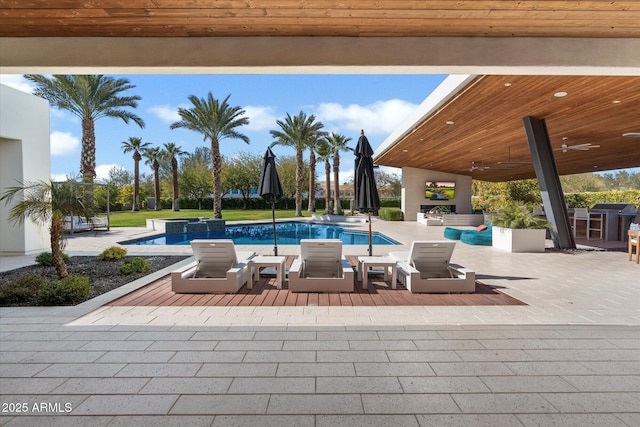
218,268
321,268
426,268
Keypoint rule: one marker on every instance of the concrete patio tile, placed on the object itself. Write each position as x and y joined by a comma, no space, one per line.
180,345
15,356
161,336
279,356
414,335
100,335
315,404
221,404
448,345
116,346
59,421
363,385
624,343
37,336
136,404
347,335
101,386
408,404
631,419
136,356
382,345
590,383
42,345
186,385
16,370
443,385
469,420
336,369
152,370
207,356
161,421
503,403
494,355
303,385
423,356
611,368
388,369
466,369
237,370
532,384
352,356
249,345
547,368
223,336
316,345
366,420
264,421
592,402
82,370
571,420
30,385
285,335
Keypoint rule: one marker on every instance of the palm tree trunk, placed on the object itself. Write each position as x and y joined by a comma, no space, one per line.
156,177
56,250
312,182
299,176
174,170
88,159
217,182
327,195
136,181
336,192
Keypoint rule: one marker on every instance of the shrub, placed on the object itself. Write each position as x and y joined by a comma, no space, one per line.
390,214
516,215
22,291
70,290
45,259
113,253
135,265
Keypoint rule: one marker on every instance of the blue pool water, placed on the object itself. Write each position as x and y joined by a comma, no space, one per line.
289,233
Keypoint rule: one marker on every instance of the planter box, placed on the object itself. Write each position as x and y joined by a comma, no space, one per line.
518,240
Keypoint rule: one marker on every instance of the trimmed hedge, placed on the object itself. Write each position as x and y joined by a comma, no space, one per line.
390,214
586,200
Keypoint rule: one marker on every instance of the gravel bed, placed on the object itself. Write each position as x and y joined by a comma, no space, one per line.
104,276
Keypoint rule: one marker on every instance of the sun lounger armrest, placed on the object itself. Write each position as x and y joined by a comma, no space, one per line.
346,267
296,267
407,268
233,272
185,271
462,272
399,256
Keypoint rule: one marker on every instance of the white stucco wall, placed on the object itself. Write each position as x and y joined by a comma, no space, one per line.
413,191
24,157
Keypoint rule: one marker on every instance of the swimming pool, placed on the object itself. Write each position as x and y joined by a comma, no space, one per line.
289,233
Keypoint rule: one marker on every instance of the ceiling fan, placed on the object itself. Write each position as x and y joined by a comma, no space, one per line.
513,162
579,147
481,167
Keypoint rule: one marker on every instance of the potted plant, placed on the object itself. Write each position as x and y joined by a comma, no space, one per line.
517,229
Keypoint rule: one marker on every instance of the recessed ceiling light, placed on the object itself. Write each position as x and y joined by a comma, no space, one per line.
507,84
449,122
560,94
405,151
617,101
632,134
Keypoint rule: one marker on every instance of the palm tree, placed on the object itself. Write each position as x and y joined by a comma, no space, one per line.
325,154
45,203
337,143
89,97
297,132
215,120
135,145
171,153
153,156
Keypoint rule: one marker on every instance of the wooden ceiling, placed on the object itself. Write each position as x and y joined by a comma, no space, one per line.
354,18
488,130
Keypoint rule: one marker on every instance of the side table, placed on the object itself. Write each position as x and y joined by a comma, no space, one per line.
260,261
364,262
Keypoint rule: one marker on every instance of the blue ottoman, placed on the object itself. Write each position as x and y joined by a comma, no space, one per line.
474,237
452,233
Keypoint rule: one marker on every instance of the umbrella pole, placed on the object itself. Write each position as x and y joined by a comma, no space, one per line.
370,237
275,240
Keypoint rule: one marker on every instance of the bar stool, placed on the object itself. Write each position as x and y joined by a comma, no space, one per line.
634,237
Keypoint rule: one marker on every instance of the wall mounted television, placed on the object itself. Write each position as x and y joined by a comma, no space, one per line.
440,190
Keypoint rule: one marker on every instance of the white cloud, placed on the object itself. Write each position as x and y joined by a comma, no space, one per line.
102,171
260,117
61,177
381,117
63,143
166,113
16,81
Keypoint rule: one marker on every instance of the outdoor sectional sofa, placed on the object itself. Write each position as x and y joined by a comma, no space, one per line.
481,235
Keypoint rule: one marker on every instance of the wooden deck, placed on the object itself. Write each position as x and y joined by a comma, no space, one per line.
265,293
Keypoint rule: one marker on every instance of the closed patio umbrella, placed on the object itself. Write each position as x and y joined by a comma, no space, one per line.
366,192
270,189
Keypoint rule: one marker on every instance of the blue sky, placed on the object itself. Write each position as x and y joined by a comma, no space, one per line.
344,103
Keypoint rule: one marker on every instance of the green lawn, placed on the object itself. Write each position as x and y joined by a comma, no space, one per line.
137,219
